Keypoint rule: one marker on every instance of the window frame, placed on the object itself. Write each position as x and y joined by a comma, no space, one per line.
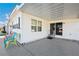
37,25
17,25
33,25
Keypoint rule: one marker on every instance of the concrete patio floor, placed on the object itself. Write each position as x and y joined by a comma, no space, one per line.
44,47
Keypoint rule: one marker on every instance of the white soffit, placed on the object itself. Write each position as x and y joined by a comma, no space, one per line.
51,11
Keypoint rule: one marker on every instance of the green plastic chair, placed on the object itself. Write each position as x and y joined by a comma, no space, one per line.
11,40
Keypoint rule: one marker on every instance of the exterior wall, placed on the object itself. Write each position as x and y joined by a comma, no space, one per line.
19,31
1,29
28,35
13,21
25,23
70,29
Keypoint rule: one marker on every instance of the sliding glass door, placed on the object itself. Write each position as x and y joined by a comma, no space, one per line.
52,28
56,28
59,28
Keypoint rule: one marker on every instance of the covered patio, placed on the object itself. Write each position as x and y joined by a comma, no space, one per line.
65,43
44,47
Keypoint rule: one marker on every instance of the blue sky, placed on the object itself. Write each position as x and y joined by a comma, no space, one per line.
5,10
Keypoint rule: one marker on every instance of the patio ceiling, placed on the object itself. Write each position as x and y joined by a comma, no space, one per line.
52,11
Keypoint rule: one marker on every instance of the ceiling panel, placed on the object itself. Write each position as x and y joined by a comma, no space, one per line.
50,11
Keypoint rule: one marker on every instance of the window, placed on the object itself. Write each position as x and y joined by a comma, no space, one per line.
19,22
36,25
17,25
39,26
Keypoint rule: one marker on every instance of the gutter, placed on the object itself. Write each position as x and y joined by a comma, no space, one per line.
17,7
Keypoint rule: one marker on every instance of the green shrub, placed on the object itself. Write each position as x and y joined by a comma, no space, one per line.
3,31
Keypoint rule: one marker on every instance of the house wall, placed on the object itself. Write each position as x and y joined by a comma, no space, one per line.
13,21
25,23
70,29
28,35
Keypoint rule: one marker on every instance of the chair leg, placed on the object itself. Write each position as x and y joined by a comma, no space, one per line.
15,42
11,42
7,45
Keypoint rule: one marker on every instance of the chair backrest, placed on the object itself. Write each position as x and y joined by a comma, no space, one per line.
13,36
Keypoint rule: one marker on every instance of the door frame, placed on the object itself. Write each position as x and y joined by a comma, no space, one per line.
55,26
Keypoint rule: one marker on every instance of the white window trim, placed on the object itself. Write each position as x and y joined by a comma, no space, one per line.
37,25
